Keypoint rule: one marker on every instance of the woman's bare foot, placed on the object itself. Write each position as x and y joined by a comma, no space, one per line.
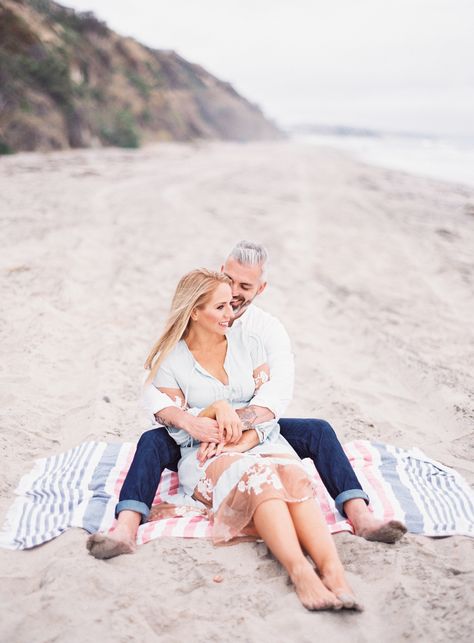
335,580
311,591
113,543
368,527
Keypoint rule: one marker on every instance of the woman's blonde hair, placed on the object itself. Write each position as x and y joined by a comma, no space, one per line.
192,291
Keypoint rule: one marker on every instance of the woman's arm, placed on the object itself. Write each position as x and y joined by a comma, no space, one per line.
248,440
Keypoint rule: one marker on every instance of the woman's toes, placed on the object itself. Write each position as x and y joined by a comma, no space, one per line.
349,602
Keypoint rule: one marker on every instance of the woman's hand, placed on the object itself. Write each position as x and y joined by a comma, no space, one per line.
248,440
229,422
208,450
230,425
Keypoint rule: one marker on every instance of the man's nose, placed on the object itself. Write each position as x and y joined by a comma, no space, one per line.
235,290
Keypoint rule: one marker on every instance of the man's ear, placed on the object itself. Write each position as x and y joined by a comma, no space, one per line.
222,268
261,288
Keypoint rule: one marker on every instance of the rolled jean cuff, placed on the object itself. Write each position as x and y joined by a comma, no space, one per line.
350,494
133,505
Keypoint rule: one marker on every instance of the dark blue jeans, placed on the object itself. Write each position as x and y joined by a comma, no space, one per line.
315,439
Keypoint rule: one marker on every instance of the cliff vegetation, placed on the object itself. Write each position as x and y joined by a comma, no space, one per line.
67,80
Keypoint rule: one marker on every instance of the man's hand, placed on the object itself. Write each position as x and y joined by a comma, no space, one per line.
203,429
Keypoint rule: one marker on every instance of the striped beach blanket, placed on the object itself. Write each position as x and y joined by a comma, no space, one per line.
80,488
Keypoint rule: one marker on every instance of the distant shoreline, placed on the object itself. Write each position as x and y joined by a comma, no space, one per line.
444,159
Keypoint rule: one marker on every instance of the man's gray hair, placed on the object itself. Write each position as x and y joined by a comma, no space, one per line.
250,253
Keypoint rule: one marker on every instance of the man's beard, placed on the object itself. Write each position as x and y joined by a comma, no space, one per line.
239,306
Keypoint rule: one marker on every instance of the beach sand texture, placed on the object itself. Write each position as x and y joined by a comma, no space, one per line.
371,272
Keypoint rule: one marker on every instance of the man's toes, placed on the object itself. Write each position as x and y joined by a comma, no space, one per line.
95,539
103,547
389,533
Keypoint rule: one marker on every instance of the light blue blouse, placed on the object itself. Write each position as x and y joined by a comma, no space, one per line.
245,352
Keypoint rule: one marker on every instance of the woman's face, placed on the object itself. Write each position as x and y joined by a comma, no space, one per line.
215,315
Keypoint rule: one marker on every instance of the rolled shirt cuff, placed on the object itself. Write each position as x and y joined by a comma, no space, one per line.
350,494
133,505
267,403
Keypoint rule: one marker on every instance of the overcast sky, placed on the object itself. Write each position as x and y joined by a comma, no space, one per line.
390,64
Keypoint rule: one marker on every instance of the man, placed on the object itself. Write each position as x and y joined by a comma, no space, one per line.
311,438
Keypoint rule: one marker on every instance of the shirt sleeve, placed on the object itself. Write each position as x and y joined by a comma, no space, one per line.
257,351
153,400
165,377
276,394
264,429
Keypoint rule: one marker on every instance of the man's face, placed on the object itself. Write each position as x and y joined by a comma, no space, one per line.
246,284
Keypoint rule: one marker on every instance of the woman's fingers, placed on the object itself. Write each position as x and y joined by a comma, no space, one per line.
238,431
201,451
230,432
211,451
235,432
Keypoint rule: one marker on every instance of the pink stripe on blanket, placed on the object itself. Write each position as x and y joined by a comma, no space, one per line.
145,532
169,486
190,528
322,499
174,484
171,523
376,483
123,472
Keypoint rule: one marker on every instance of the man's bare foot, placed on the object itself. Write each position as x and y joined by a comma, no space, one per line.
383,532
368,527
311,591
335,580
114,543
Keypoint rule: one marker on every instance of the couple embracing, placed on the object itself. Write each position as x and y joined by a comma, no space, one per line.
221,377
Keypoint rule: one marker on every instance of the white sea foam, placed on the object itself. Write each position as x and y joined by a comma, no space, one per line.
439,158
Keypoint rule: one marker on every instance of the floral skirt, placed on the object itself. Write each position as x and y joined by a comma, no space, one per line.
233,485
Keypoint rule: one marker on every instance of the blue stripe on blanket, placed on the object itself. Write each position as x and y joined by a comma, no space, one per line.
389,464
49,502
443,500
98,503
462,506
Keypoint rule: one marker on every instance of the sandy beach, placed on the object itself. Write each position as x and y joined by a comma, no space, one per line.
372,273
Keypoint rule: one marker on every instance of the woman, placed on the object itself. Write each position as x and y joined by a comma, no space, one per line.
252,482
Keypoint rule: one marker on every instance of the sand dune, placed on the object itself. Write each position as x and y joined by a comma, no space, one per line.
372,273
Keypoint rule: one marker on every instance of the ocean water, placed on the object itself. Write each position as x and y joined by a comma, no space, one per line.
438,158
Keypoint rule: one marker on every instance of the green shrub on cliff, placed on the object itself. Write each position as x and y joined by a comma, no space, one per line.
50,72
4,148
122,131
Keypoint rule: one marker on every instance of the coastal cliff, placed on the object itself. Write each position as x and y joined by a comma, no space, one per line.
67,81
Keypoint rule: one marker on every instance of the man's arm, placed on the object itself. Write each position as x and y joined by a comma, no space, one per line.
276,394
166,412
253,414
203,429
